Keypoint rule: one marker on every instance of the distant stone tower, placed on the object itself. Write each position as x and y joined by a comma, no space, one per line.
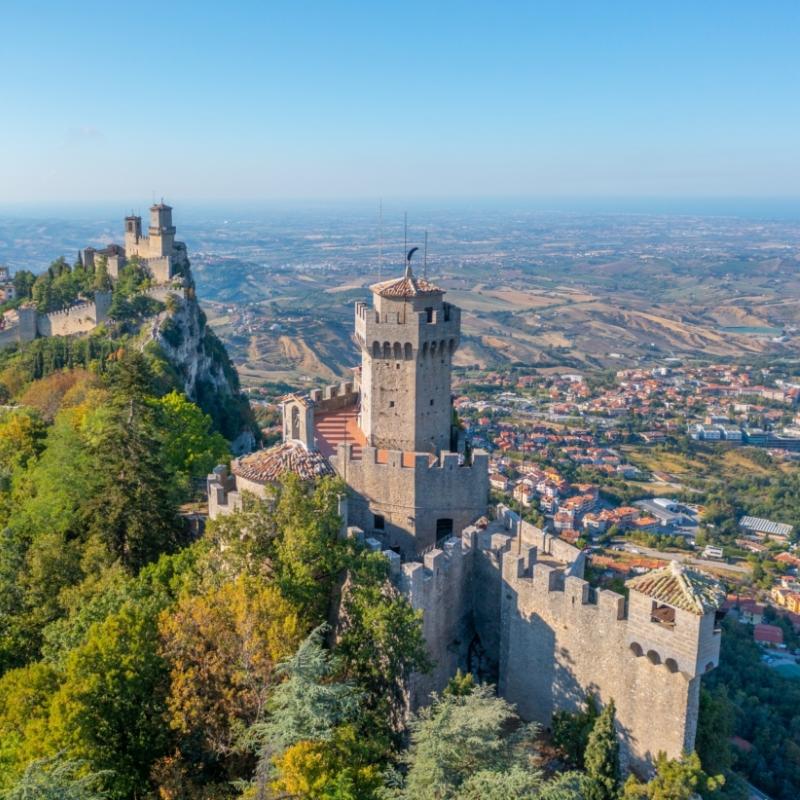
407,341
162,231
133,233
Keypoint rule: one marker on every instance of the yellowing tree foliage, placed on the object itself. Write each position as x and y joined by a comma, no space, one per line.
223,647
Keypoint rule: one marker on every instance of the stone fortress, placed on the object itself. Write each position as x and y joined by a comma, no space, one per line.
500,598
162,256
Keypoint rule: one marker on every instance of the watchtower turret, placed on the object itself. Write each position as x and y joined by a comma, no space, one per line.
673,619
133,233
162,231
407,339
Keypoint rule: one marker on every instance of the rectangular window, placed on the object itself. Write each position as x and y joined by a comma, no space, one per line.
662,615
391,404
378,522
428,315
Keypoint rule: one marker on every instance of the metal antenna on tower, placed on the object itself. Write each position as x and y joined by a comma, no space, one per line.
425,258
380,239
405,234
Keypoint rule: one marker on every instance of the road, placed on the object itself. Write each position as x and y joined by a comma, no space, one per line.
686,558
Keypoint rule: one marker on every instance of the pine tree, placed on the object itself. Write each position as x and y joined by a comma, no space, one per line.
602,758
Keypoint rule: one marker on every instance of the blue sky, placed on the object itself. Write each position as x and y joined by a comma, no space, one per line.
108,101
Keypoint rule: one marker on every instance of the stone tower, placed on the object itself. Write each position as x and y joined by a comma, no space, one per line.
673,619
133,233
162,231
407,342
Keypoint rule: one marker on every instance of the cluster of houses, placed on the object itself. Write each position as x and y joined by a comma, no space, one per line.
715,402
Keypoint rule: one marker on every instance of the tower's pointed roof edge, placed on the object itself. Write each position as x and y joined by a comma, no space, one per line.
407,286
680,586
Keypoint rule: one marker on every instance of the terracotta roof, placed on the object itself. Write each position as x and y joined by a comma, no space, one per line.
679,586
407,286
771,634
265,466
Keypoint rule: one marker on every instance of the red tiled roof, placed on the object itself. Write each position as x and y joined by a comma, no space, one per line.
679,586
265,466
407,286
770,634
741,744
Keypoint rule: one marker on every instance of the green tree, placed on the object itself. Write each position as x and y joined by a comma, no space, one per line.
309,739
472,746
134,511
110,711
308,557
57,779
571,731
190,446
380,639
601,758
675,779
23,283
309,703
714,730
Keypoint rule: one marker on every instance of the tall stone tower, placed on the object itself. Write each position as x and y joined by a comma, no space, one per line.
162,231
407,341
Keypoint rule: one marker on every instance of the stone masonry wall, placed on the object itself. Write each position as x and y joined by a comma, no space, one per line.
500,604
559,640
80,318
412,491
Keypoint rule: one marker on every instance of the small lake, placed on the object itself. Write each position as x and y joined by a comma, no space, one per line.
753,331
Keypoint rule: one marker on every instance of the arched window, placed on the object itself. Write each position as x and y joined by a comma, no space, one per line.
433,349
295,422
398,351
452,345
387,350
671,664
636,649
442,346
653,657
409,351
424,349
376,349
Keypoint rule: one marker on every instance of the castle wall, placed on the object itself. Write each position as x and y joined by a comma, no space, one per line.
334,397
557,645
412,491
439,586
560,638
160,268
80,318
504,605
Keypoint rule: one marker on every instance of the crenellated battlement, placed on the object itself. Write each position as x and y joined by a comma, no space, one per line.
334,397
440,566
72,311
547,637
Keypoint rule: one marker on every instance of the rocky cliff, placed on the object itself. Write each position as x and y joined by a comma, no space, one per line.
202,365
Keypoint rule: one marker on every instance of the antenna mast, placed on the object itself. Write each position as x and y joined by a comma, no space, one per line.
405,234
380,239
